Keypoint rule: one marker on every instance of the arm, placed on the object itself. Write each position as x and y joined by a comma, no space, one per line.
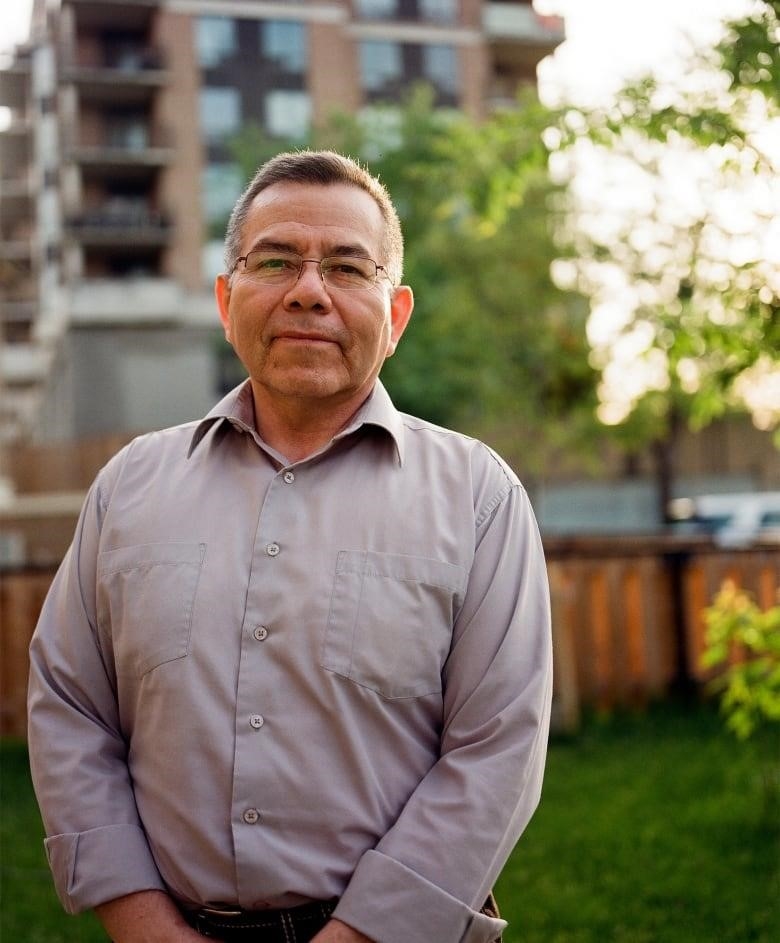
429,875
337,932
96,846
145,917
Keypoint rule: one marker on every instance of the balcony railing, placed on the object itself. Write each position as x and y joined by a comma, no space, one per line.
121,226
15,250
124,75
522,23
128,300
127,61
137,146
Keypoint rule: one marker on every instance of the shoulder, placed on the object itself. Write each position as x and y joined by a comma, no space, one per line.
447,453
145,452
428,438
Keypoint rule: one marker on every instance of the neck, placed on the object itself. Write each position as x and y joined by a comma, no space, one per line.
298,428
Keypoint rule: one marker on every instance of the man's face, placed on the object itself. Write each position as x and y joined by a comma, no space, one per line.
302,340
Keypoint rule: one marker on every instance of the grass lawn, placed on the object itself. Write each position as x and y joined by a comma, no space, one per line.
650,831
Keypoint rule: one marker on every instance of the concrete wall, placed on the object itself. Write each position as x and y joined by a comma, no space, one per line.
115,380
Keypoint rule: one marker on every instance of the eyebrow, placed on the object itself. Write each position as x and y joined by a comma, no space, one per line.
347,249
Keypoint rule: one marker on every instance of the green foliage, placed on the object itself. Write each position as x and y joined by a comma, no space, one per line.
494,347
698,290
750,686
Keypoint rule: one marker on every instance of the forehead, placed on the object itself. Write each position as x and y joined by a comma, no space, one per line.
313,214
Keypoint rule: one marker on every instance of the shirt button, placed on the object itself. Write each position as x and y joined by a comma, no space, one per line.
251,816
260,633
289,477
272,549
256,721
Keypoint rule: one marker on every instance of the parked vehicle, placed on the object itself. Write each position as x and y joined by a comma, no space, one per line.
734,520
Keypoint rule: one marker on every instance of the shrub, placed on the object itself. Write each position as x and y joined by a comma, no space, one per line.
743,644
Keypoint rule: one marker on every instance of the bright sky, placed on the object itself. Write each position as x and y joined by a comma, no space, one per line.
608,40
14,22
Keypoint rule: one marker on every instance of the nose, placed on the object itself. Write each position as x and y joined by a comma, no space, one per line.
308,290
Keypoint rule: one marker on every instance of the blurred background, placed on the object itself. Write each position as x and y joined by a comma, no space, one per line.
591,200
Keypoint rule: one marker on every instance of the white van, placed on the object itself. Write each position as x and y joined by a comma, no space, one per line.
734,520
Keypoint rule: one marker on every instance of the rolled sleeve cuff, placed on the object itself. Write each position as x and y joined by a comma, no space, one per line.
389,903
93,867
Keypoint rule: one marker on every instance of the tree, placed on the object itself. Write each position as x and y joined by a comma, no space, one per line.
494,347
676,244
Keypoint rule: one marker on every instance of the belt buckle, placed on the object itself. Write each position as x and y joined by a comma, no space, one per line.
209,912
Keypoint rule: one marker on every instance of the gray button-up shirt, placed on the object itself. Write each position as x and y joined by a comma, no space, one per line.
258,683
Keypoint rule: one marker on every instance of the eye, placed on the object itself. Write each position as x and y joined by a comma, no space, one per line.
354,269
271,264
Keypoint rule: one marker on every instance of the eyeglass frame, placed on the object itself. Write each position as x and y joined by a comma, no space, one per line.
378,268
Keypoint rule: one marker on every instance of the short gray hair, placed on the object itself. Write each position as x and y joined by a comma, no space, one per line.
323,168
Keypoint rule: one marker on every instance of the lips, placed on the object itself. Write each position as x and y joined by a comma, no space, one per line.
305,337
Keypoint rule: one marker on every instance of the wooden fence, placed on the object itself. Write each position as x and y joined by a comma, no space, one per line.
627,619
628,615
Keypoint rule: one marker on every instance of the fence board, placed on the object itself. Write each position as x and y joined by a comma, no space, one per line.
21,598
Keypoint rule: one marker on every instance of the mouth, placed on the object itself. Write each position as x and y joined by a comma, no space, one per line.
302,337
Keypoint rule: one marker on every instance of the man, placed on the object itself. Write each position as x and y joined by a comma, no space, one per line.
292,680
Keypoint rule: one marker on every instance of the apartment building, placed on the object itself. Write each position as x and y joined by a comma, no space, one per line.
116,175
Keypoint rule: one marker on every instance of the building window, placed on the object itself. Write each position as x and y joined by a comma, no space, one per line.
377,9
381,65
215,39
287,113
440,68
442,11
220,112
221,185
283,42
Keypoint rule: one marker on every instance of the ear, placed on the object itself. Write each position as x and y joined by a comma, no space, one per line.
401,305
222,294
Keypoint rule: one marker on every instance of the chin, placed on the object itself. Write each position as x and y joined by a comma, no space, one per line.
308,385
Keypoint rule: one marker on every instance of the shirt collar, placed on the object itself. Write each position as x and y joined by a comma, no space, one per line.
237,409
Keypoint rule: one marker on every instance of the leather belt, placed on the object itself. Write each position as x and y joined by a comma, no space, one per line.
233,925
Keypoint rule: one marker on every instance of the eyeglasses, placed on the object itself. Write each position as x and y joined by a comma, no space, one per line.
344,272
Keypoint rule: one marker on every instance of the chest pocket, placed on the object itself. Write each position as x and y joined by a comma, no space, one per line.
145,598
390,621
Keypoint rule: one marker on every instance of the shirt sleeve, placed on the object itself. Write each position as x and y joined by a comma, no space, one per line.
429,875
96,846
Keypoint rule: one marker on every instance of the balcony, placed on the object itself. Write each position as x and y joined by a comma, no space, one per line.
17,252
130,300
23,363
15,83
521,23
130,151
18,409
17,319
126,76
15,146
121,225
518,39
101,15
16,198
